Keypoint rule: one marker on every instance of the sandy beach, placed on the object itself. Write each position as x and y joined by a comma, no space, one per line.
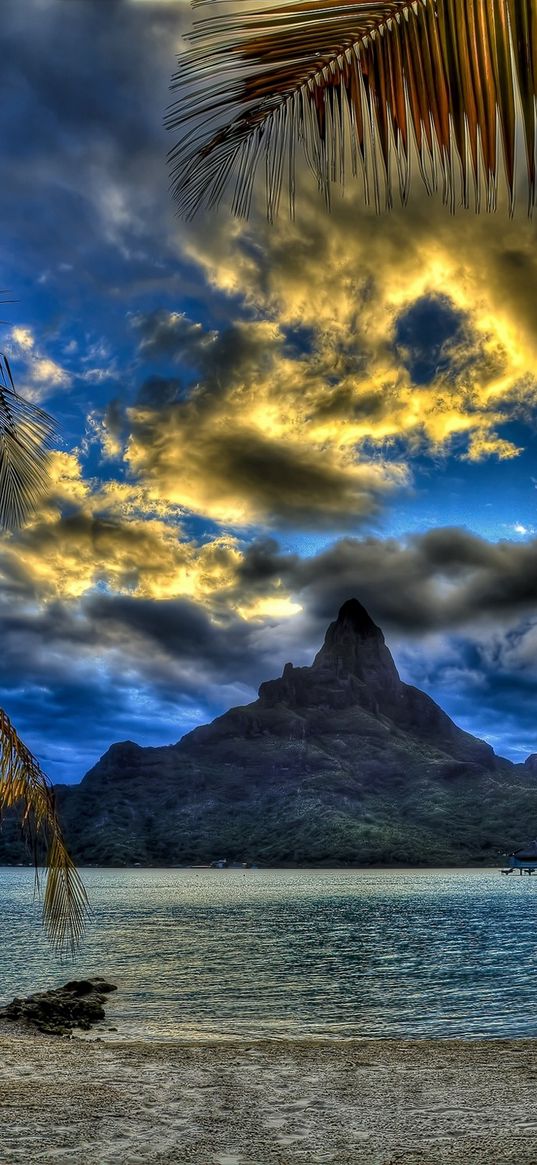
371,1102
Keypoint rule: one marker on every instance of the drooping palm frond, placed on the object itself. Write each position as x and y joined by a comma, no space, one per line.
25,436
380,80
25,788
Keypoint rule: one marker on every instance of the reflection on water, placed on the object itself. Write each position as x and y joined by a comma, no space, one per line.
295,953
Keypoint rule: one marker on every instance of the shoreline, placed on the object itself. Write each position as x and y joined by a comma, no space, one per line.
238,869
266,1102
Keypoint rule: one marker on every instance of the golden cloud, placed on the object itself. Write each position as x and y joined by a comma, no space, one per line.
144,558
350,277
248,446
109,534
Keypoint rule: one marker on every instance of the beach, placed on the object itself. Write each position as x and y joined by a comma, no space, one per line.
350,1102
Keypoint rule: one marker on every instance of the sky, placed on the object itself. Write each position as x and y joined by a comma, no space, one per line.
255,422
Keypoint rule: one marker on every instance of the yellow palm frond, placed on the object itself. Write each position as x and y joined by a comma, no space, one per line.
25,434
380,80
25,788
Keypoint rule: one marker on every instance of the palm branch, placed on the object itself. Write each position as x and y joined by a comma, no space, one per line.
365,83
24,787
25,434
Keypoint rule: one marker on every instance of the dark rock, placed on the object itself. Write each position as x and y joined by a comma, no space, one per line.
88,986
78,1004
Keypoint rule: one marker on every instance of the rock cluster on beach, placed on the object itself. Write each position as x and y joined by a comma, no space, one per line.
78,1004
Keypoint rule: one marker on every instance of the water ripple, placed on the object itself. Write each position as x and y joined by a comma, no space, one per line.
295,953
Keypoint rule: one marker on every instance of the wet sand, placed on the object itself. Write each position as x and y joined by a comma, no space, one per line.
370,1102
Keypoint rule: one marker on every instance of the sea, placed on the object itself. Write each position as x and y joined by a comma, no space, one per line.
292,954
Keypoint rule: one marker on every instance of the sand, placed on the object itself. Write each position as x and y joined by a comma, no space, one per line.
368,1102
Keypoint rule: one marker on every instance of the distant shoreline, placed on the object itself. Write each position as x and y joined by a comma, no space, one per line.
236,869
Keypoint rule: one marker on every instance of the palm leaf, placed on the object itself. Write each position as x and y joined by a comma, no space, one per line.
24,787
377,80
25,435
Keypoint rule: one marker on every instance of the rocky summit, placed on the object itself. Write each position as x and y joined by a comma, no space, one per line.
337,763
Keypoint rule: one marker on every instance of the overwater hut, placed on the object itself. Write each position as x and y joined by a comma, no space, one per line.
524,860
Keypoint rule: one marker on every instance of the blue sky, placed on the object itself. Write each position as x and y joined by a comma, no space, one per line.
254,422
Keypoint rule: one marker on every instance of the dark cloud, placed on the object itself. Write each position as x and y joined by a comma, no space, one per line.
486,683
159,392
459,613
168,334
292,485
443,579
85,87
343,401
222,358
80,676
183,630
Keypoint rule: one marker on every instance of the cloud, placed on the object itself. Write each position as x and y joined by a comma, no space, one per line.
93,537
353,399
242,445
360,344
443,579
241,478
424,316
163,333
110,611
38,375
83,132
106,428
23,338
121,667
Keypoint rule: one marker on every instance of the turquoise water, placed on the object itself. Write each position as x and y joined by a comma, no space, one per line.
330,953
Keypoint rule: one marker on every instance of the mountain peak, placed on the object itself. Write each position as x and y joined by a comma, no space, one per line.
354,614
355,645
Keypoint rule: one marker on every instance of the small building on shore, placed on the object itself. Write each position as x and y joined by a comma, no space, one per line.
524,859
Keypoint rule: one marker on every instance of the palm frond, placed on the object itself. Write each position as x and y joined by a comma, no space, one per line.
24,787
375,79
25,437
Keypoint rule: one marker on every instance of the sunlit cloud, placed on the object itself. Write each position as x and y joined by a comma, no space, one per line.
109,534
351,278
49,374
37,374
23,338
245,445
273,607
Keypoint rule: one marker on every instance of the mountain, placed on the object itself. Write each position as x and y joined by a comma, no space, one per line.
336,763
